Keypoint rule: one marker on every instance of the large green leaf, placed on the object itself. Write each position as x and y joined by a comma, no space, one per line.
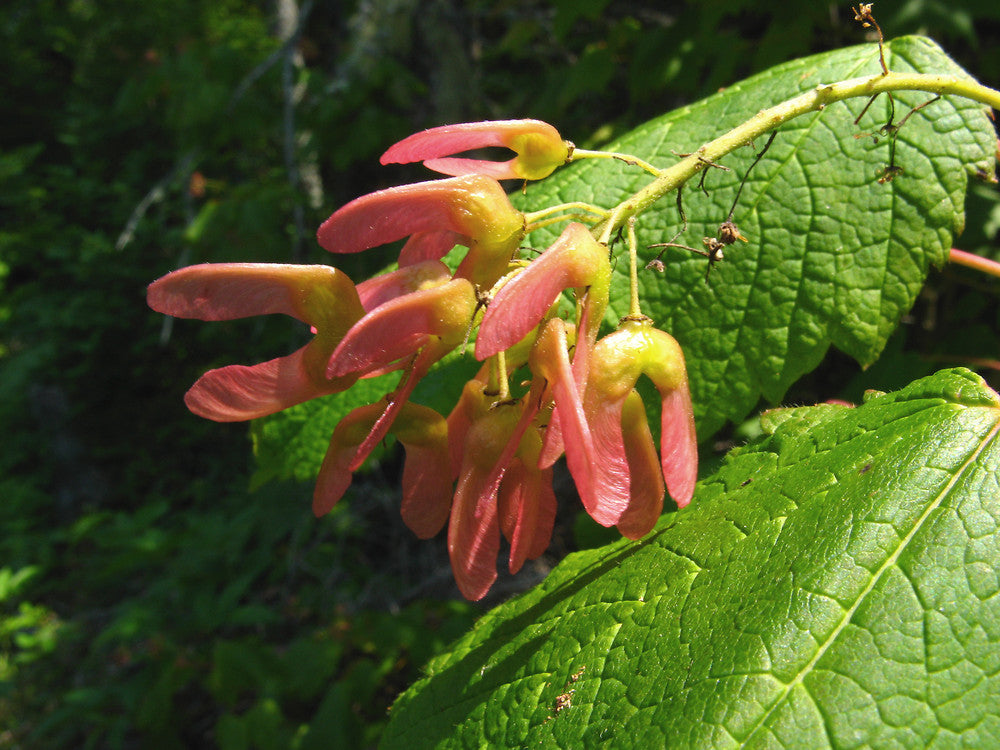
834,257
834,584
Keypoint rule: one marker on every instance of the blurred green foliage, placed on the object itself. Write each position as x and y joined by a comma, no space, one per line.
147,598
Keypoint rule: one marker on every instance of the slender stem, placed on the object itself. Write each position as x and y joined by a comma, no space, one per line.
532,226
970,260
612,223
573,206
632,161
500,371
766,120
633,269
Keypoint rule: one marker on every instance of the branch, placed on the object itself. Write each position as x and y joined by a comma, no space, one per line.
812,101
292,96
156,194
251,78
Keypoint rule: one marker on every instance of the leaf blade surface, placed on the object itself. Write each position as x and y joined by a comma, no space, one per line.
832,585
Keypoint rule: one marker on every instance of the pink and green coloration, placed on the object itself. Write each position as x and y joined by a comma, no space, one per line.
486,469
538,148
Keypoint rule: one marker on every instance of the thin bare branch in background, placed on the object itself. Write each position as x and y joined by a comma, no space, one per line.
188,160
156,194
301,176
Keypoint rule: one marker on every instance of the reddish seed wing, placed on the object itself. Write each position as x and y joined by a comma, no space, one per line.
646,477
474,534
612,479
335,474
538,145
518,512
398,400
240,392
498,170
471,405
427,488
333,480
573,260
403,326
546,516
444,141
394,330
520,306
527,510
398,212
385,216
425,246
388,286
569,428
227,291
679,445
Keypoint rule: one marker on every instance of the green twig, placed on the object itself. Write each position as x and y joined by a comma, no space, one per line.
632,161
815,100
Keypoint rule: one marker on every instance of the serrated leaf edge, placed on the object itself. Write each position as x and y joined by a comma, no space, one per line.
889,562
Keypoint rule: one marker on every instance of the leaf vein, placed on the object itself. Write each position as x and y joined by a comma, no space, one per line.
890,561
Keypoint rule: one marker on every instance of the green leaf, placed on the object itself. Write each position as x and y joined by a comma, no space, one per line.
833,256
291,444
834,584
11,581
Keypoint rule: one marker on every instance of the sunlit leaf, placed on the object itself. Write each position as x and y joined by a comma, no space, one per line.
834,584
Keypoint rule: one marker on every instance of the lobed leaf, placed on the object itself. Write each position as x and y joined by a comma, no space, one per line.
834,584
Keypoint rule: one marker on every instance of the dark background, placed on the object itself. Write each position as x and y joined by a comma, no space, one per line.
148,598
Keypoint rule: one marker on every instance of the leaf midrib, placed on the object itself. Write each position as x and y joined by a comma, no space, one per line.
888,564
